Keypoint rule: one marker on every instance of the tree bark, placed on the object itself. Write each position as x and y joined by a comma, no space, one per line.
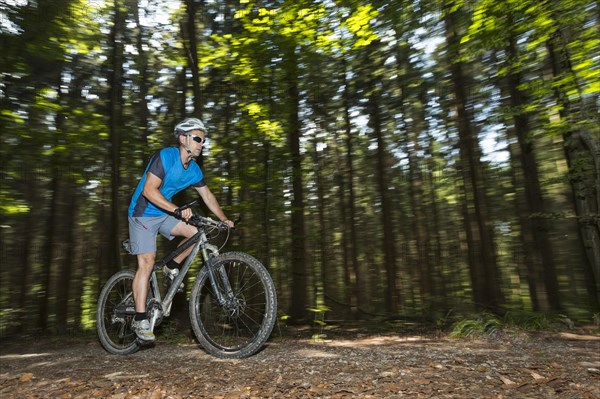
191,7
538,257
349,203
47,255
115,96
485,279
300,268
392,294
413,107
142,82
580,148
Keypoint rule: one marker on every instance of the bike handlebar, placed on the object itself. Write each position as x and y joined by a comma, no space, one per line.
177,212
201,221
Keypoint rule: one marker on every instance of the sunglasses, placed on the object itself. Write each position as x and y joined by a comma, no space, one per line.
199,139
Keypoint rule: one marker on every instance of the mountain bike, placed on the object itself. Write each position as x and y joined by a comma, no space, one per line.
232,303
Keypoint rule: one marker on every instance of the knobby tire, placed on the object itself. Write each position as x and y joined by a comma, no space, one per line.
114,313
236,331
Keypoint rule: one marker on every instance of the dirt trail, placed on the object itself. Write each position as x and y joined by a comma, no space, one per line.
353,366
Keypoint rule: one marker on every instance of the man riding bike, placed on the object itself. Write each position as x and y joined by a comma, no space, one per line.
168,172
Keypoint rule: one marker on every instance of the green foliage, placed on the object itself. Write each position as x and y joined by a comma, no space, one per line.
282,316
10,206
488,324
480,324
9,320
538,321
260,65
319,322
319,314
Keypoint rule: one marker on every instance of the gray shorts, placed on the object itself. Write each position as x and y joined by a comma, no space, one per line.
143,231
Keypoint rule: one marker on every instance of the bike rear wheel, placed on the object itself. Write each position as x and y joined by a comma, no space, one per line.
239,327
114,314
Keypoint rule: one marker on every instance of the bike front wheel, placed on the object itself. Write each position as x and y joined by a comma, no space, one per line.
236,321
114,313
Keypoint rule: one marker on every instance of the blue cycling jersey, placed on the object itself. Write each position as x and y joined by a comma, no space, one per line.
166,165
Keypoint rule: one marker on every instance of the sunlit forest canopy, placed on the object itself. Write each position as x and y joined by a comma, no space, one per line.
389,159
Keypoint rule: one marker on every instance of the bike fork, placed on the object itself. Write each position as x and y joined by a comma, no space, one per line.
224,291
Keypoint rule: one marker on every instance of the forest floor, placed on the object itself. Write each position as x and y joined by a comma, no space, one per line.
343,364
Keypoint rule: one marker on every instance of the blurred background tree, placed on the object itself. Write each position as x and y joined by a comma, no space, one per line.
390,159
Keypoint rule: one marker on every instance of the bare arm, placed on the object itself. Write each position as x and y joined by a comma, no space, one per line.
152,194
213,205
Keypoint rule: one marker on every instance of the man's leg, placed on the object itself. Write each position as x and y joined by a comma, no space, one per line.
141,325
140,281
185,230
181,229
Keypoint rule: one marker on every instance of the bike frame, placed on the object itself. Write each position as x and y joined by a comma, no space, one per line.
232,305
200,243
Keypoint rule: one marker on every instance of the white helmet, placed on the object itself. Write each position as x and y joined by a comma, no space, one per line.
188,125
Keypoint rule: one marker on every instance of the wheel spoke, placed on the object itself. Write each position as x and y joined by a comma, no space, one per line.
113,322
240,327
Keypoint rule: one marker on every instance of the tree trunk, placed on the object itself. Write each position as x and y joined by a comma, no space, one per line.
115,122
191,7
322,260
67,211
30,227
142,81
347,281
266,192
392,294
66,260
300,268
47,255
538,258
581,148
417,200
413,106
350,204
436,233
485,279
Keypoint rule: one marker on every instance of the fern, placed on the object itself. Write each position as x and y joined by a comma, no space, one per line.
481,324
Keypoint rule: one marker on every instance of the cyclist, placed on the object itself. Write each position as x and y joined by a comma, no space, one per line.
168,172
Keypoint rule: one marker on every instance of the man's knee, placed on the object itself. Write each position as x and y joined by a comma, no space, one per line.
146,261
184,230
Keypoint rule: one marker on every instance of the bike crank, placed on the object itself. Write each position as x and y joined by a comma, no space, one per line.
155,312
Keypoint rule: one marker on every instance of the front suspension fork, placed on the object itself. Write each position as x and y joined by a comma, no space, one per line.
216,275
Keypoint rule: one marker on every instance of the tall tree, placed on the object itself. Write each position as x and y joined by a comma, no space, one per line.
191,48
298,253
392,295
115,122
485,279
582,150
348,198
537,250
494,20
141,60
